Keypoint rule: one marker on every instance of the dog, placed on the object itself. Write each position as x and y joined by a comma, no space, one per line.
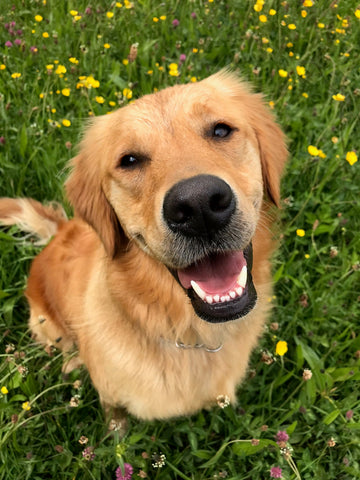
160,283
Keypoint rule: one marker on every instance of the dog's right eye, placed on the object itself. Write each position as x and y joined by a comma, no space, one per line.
129,161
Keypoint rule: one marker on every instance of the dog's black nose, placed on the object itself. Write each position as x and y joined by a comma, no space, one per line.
199,206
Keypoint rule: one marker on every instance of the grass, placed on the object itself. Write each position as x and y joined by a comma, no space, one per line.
316,276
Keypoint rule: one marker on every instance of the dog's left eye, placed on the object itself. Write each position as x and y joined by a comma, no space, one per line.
221,130
129,161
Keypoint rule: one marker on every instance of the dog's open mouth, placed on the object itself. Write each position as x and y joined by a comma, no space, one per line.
220,285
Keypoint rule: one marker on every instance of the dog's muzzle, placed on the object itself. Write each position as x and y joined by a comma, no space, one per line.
199,210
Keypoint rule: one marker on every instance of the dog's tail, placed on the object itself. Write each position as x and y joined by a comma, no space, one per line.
32,217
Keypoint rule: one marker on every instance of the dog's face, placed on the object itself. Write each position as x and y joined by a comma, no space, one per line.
182,173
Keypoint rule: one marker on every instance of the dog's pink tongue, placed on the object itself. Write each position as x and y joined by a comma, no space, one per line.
214,274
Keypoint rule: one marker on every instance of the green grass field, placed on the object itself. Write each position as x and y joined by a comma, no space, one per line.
63,61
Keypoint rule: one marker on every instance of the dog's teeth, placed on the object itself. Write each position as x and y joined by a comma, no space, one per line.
232,294
209,299
223,299
227,298
216,298
239,291
198,290
242,278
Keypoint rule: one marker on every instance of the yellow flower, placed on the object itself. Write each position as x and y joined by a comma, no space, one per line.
53,110
66,92
195,50
112,103
292,26
308,3
334,139
321,154
49,67
163,17
304,13
305,95
26,406
307,256
73,12
283,73
339,97
193,79
41,95
281,348
118,4
300,232
269,50
351,157
4,390
45,35
127,93
106,45
73,60
77,18
100,99
38,18
272,12
263,18
66,122
300,70
16,75
272,104
155,19
2,66
357,13
313,151
258,7
128,4
60,70
173,70
125,61
321,25
109,14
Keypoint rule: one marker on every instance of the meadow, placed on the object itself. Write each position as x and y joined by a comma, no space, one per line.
298,412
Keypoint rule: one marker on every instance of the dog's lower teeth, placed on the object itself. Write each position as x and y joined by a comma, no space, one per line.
231,295
209,299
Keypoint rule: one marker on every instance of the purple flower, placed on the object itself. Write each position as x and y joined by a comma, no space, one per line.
182,57
349,414
88,453
19,32
88,11
17,41
2,141
175,22
275,472
281,436
128,471
8,44
12,24
193,15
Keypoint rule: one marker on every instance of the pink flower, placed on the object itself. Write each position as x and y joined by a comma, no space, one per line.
281,436
88,454
8,44
175,22
349,414
275,472
2,141
128,471
17,41
182,57
193,15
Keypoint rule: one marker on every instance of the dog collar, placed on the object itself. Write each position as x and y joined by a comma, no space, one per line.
187,346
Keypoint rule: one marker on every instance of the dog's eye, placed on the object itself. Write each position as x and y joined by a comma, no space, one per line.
221,130
129,161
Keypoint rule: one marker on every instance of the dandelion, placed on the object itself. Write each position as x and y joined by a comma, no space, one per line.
67,123
125,474
66,92
313,151
38,18
223,401
88,454
351,157
283,73
281,348
4,390
26,406
307,374
339,97
300,232
158,460
276,472
16,75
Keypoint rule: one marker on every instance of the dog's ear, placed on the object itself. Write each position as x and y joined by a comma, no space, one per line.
272,145
85,192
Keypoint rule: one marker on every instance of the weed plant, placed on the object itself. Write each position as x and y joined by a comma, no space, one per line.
298,413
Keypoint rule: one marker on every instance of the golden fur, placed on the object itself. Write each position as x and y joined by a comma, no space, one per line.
101,285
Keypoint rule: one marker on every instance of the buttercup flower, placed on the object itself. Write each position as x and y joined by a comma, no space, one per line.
4,390
283,73
351,157
281,348
67,123
26,406
66,92
263,18
38,18
313,151
339,97
16,75
300,71
300,232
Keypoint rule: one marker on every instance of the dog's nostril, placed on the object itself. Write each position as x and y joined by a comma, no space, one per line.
220,201
181,213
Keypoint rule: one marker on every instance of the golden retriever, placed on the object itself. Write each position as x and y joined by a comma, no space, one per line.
161,281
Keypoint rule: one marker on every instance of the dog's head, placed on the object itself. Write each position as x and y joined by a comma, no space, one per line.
184,173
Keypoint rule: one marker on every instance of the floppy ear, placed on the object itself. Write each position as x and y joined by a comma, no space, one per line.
86,194
273,151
